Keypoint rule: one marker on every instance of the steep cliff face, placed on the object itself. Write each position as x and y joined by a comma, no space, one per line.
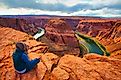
114,36
114,32
61,34
7,22
60,31
53,67
108,32
19,24
37,21
95,28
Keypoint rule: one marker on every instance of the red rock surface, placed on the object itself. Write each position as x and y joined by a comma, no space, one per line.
53,67
95,27
19,24
58,32
87,68
108,32
60,39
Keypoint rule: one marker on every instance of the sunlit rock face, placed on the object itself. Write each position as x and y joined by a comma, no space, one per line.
94,27
61,34
60,31
67,67
108,32
53,67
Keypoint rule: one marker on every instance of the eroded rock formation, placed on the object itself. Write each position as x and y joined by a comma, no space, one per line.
60,34
19,24
108,32
53,67
58,40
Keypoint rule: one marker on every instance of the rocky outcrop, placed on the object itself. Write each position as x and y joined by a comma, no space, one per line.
8,39
114,32
92,67
60,30
58,40
38,21
60,34
94,27
114,36
24,23
53,67
19,24
108,32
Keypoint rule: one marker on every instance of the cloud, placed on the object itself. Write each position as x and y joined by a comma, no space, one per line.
96,4
25,11
108,8
32,4
64,2
104,12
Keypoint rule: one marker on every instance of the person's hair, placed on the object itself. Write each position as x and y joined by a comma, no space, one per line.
21,46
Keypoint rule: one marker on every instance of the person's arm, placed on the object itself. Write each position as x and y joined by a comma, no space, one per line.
25,58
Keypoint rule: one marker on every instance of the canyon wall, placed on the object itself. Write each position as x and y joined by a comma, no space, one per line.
53,67
60,30
59,48
107,32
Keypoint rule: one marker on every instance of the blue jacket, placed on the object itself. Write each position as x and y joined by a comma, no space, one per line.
21,59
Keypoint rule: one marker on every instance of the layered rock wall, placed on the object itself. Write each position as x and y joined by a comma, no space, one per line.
53,67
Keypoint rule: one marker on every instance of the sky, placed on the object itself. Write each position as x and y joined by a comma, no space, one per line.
100,8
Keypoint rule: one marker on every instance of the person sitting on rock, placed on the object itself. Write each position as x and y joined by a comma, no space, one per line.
21,60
